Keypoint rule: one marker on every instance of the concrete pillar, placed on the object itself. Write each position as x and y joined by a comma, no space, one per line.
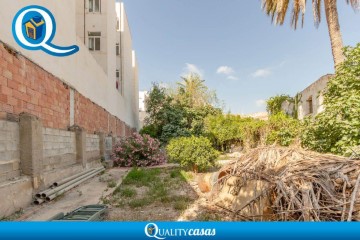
80,137
102,145
31,147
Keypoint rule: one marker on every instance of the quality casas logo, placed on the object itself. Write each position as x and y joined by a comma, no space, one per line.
153,231
34,28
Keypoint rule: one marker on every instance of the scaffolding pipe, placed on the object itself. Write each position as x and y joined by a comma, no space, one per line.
56,184
38,201
38,195
69,183
56,194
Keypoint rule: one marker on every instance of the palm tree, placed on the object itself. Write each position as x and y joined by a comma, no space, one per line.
194,91
277,9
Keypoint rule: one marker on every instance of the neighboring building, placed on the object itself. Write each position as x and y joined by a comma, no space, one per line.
142,107
311,99
259,115
103,27
60,116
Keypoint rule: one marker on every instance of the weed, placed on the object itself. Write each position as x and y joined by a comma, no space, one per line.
127,192
111,184
136,203
188,176
14,216
158,190
141,177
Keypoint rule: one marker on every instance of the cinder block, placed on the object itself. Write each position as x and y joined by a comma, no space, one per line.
31,145
6,167
2,146
16,165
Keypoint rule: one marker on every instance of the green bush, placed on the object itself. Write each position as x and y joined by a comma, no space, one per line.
337,129
224,130
274,104
194,152
282,129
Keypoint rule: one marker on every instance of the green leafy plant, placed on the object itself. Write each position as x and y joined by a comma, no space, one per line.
282,129
337,129
274,104
194,152
181,111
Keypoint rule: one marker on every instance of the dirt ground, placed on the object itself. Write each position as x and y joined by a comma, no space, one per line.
90,192
157,194
161,195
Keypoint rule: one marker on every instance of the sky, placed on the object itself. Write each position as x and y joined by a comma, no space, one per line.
234,46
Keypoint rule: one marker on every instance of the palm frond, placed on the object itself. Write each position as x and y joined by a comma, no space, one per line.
354,3
316,4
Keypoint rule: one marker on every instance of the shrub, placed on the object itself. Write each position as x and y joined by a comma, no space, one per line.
274,104
224,130
336,130
195,152
282,129
138,151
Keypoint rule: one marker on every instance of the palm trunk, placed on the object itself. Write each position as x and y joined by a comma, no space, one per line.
334,31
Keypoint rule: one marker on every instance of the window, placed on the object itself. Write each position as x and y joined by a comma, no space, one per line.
94,41
118,24
95,6
119,82
117,49
310,104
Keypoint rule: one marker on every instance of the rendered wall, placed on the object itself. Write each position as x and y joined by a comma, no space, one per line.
315,93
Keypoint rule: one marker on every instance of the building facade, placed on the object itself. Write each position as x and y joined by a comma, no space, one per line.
61,115
142,107
311,99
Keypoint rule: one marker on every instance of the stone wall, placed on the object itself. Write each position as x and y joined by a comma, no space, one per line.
59,148
311,102
9,151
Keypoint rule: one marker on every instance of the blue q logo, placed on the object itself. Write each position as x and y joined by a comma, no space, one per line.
34,28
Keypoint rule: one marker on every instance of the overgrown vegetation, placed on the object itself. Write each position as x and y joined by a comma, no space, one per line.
149,189
337,129
138,151
274,104
228,130
179,112
193,152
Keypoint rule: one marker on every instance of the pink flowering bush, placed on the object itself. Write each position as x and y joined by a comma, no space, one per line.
138,151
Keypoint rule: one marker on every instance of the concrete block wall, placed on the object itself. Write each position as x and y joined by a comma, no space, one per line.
59,148
9,151
108,147
92,147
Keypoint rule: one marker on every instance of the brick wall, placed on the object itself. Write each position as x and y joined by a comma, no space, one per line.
9,151
26,87
59,148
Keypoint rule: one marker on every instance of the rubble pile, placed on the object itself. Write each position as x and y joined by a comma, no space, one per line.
288,184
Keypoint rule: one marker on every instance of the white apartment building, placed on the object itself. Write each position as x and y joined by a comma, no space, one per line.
103,27
142,107
105,69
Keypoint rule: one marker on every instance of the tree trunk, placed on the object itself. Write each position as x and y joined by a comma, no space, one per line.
332,19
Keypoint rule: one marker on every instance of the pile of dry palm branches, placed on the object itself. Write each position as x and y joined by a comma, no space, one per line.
291,185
